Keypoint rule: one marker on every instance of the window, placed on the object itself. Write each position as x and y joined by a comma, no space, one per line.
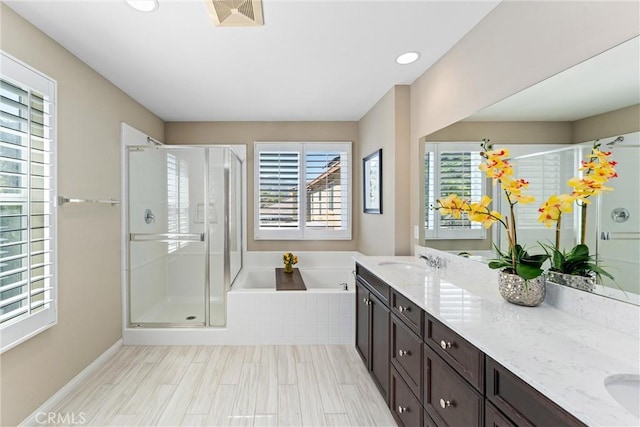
177,199
547,171
452,168
285,211
27,203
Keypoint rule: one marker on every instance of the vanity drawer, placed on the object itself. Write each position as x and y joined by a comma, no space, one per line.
380,288
458,352
520,402
406,409
406,355
494,418
406,310
449,399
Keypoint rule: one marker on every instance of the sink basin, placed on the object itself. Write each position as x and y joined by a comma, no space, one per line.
625,389
405,266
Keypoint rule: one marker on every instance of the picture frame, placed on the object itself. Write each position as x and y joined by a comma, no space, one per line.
372,182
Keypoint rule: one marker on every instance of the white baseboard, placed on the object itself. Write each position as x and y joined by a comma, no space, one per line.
47,406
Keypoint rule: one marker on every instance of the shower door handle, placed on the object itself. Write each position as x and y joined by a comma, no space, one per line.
166,237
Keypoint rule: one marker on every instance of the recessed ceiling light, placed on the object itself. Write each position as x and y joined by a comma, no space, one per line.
407,58
143,5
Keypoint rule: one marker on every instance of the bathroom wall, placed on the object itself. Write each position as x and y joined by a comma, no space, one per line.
517,45
90,110
245,133
611,124
386,126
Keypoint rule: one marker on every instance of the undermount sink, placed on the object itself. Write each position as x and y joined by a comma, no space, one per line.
625,389
406,266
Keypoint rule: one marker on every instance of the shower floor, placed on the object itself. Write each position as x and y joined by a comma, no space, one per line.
184,311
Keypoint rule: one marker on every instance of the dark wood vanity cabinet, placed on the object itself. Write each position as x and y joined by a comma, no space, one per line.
372,327
431,376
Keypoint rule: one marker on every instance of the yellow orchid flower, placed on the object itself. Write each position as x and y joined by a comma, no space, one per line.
453,205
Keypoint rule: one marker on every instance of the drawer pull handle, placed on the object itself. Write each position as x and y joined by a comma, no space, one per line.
403,353
445,344
444,403
402,309
402,409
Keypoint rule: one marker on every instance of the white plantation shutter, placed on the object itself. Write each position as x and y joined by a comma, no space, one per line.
319,211
452,168
27,195
547,173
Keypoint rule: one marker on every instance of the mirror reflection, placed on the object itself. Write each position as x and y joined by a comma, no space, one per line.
549,128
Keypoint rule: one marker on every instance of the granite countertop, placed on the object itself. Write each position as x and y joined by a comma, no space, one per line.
565,357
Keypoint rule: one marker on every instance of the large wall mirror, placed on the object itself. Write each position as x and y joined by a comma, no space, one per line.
549,128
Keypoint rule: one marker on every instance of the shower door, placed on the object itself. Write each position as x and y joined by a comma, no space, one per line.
618,227
167,236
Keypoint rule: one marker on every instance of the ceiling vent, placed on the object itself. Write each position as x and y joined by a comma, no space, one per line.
236,13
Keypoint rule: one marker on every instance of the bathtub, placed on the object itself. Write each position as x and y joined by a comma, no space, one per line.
318,279
324,314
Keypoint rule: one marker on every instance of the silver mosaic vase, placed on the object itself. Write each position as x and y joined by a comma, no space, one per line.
584,283
516,290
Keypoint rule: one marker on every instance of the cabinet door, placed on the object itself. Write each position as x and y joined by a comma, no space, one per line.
448,398
522,403
405,408
379,356
362,323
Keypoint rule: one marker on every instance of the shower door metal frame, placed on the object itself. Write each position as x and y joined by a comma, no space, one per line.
187,237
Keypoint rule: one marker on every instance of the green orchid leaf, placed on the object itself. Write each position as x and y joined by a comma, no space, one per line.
528,272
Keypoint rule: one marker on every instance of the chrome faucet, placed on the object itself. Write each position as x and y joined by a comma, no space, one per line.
433,261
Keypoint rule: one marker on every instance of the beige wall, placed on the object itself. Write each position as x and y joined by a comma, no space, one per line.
611,124
90,110
506,132
245,133
386,126
515,46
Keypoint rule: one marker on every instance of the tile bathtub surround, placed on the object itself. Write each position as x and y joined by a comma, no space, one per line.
229,385
565,357
292,317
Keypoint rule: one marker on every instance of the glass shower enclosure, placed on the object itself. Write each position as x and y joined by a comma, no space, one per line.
185,239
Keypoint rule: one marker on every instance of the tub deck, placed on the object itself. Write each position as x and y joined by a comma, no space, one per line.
289,281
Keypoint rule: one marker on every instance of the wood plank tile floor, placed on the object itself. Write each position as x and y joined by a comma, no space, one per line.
324,385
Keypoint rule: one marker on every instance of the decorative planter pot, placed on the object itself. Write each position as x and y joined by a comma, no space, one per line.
288,268
516,290
584,283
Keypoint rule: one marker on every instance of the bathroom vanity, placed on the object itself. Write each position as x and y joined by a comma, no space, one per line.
444,349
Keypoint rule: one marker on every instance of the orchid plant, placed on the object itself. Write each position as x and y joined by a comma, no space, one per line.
597,170
497,166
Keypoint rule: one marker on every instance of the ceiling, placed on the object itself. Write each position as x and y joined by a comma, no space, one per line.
604,83
312,60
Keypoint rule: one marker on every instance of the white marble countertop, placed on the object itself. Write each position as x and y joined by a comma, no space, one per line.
565,357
